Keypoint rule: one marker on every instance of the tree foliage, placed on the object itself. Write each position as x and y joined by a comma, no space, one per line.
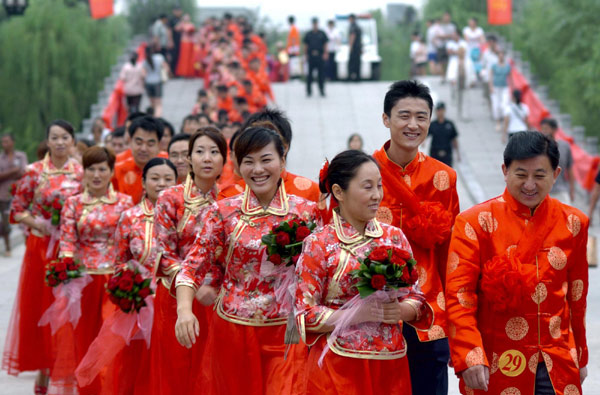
394,48
54,61
142,13
560,40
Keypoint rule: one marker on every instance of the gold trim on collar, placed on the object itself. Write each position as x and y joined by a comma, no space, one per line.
372,230
192,204
109,198
280,196
48,166
148,228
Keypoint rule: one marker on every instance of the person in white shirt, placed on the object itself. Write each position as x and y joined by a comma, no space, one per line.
446,32
473,35
418,55
516,115
461,75
335,40
433,42
488,58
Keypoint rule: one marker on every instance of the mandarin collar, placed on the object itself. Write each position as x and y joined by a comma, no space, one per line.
410,167
348,235
192,194
48,166
279,205
519,208
109,198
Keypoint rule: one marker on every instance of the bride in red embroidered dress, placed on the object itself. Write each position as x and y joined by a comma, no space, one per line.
245,350
180,212
48,181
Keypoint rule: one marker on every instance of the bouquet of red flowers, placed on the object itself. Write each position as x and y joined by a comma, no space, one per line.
55,208
63,270
284,241
13,189
385,268
128,289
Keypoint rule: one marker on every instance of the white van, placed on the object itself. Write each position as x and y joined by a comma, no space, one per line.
370,68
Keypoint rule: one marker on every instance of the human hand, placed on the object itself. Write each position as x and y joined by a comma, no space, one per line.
395,311
206,295
42,226
583,374
187,328
477,377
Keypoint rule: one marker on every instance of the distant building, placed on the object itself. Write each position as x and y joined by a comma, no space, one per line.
218,12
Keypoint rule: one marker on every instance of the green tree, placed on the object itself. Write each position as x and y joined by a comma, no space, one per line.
54,61
142,13
394,48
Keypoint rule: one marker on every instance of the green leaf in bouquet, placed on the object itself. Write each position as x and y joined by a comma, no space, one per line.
286,227
146,283
364,267
365,291
379,269
268,239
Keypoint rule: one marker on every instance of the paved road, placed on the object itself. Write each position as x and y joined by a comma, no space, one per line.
321,128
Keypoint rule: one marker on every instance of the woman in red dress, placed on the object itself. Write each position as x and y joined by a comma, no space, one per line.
135,242
53,179
88,225
245,346
180,211
185,63
369,358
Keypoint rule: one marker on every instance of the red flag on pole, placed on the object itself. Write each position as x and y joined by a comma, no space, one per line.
101,8
499,12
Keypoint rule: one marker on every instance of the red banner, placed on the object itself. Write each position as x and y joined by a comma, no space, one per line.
101,8
499,12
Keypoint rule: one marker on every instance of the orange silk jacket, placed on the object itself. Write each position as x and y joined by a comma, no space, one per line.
516,293
431,181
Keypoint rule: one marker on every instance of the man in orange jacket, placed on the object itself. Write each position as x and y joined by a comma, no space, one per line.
419,196
518,281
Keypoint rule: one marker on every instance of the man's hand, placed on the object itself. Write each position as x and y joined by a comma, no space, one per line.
583,374
477,377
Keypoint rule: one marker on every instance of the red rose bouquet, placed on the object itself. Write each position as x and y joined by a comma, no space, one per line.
55,208
284,241
68,278
385,269
63,270
128,289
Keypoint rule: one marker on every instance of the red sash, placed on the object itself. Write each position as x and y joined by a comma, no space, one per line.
508,278
424,223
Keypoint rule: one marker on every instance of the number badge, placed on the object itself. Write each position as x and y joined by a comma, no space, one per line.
512,363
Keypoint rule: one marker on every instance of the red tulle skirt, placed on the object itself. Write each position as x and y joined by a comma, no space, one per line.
242,359
71,344
185,64
354,376
172,366
28,346
131,370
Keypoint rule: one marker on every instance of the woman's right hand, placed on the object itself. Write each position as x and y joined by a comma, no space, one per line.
187,328
369,312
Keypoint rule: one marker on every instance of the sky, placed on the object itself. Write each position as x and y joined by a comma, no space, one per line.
304,10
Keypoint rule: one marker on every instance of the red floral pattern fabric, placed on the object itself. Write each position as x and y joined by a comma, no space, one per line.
134,236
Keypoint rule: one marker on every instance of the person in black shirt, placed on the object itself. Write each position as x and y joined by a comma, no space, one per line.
355,43
443,137
176,35
315,49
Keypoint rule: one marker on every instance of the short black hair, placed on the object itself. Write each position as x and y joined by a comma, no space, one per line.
343,168
529,144
291,19
135,115
62,124
254,139
176,138
167,125
277,118
119,132
157,162
147,123
406,88
550,122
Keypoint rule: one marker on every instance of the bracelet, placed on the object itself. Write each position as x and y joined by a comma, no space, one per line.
415,307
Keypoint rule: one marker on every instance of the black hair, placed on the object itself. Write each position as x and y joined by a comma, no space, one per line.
63,125
157,162
147,123
277,118
233,138
550,122
529,144
119,132
223,116
240,100
167,125
133,57
254,139
291,19
353,135
202,92
343,168
176,138
406,88
149,53
517,95
135,115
